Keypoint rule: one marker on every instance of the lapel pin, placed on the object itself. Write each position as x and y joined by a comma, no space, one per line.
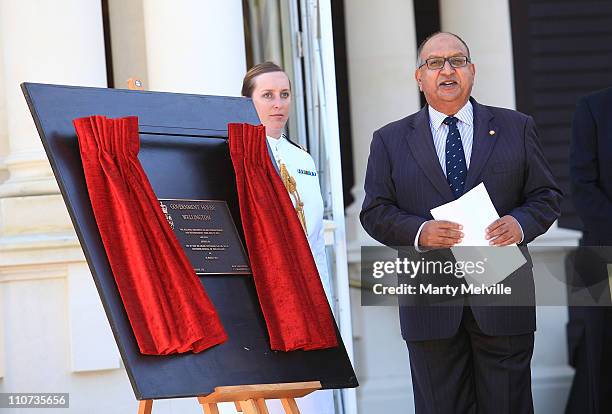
491,132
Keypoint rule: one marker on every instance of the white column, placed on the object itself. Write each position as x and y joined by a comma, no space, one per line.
489,37
381,58
59,42
195,46
381,49
48,41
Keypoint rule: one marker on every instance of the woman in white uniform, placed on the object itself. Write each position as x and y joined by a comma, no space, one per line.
269,87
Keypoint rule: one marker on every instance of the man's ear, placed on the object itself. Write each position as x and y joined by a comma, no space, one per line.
417,77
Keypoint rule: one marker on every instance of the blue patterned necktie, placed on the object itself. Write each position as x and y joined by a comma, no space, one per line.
456,167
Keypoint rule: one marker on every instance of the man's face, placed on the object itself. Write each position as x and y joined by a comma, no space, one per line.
446,89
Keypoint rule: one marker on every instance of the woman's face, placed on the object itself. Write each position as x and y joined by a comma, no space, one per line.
272,99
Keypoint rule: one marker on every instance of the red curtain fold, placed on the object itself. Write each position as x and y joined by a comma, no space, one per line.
165,302
290,291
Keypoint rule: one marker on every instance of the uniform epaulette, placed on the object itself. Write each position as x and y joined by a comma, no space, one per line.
303,148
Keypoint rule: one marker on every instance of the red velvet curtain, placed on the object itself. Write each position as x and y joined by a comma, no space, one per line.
290,292
165,302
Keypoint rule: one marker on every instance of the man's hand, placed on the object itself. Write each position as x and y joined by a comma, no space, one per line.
504,232
440,233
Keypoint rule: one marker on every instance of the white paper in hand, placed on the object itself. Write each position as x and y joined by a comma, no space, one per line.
474,210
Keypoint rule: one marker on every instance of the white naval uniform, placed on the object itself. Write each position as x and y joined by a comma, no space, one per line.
301,166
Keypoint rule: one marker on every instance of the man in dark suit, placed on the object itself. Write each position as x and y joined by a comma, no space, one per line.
590,328
464,359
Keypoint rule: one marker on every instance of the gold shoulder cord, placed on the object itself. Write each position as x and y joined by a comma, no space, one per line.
291,187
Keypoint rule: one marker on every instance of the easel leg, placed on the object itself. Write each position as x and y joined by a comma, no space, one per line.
254,406
290,406
145,406
210,408
260,403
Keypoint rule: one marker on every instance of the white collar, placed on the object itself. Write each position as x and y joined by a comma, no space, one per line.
465,115
276,142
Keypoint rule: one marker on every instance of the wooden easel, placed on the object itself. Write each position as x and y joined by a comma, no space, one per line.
250,399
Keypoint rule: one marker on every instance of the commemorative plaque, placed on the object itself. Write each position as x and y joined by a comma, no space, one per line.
208,235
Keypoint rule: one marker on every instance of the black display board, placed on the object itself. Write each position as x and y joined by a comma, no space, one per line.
185,154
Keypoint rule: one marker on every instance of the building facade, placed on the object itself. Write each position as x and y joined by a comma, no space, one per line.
351,63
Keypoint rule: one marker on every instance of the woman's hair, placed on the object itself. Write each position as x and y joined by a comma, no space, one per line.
248,83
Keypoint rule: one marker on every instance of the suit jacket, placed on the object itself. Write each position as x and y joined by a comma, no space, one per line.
591,183
591,166
404,181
